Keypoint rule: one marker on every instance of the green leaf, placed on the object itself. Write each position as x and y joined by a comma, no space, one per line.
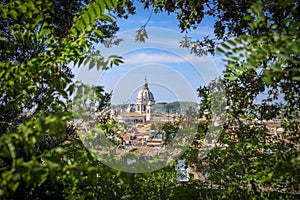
23,10
106,18
225,45
92,14
100,7
98,33
220,50
96,10
89,28
13,186
248,18
86,19
79,26
74,32
13,14
231,42
45,32
231,78
108,4
31,5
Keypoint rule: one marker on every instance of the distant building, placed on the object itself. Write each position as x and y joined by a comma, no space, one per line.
130,118
144,108
145,102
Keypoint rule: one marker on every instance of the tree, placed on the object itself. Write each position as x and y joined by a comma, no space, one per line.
40,152
26,38
263,59
260,42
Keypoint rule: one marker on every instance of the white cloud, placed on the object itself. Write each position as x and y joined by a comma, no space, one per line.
163,42
142,58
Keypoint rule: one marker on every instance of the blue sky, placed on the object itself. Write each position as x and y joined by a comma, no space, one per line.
172,72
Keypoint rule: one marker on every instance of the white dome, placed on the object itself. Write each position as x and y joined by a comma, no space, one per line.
145,95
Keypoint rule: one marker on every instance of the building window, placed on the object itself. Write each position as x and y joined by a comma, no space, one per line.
144,108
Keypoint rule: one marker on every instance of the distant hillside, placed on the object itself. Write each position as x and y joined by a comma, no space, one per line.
162,107
174,107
